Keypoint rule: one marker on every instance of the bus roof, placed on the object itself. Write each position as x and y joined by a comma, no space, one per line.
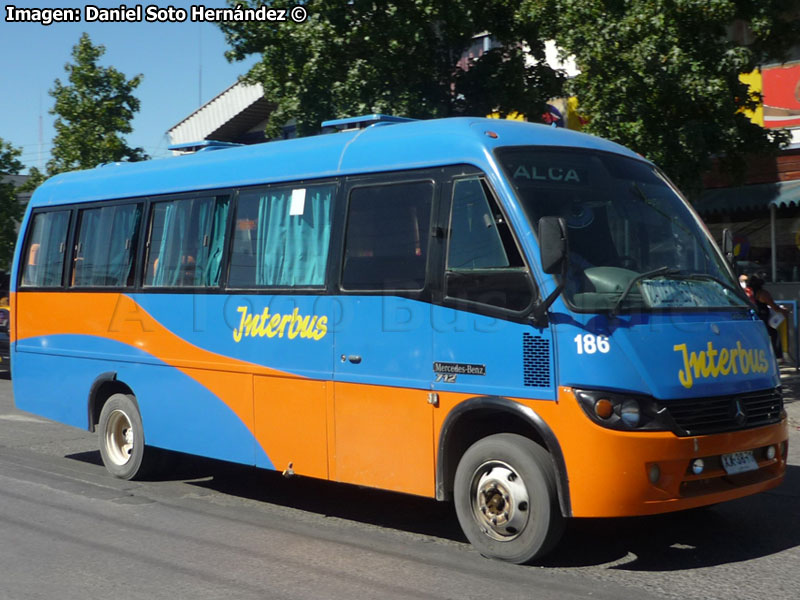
381,147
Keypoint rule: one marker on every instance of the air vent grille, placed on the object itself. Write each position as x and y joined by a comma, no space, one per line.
535,360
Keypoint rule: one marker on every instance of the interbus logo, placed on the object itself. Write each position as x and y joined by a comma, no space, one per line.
711,363
271,325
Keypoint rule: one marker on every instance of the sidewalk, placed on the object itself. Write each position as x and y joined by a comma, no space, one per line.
790,381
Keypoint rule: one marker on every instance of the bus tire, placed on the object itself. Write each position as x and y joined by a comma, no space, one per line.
506,498
121,438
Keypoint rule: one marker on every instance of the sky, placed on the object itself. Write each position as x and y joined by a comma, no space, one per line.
183,65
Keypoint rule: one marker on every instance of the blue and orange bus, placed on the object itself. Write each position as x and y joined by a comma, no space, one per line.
528,321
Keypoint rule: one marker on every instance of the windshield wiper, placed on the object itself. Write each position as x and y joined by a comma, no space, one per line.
660,272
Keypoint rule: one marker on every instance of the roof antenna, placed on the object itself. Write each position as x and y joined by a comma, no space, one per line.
200,64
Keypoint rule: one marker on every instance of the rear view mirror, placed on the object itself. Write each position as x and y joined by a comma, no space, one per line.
553,244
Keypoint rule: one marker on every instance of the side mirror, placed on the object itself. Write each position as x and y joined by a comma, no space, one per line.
554,251
553,245
727,245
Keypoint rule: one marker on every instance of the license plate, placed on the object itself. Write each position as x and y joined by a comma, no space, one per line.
739,462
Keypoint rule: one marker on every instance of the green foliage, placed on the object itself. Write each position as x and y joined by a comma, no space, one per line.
10,209
35,179
402,58
662,76
659,76
92,110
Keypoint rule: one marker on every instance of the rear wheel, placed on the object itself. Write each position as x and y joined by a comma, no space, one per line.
506,498
121,437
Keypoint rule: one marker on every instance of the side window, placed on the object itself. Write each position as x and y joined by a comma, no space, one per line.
187,237
281,237
475,241
106,246
483,263
386,241
43,262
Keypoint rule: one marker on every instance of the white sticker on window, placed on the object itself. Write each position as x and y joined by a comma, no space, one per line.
298,205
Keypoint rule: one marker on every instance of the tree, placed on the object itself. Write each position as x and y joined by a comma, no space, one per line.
662,76
35,179
10,208
93,111
404,58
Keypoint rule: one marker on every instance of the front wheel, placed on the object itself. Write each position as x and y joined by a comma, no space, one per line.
121,438
506,498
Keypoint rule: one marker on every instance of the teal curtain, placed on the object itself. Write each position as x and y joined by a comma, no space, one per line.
214,218
292,250
122,245
173,238
106,245
192,241
88,251
198,245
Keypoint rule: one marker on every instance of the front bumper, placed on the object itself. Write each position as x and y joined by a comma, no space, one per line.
609,472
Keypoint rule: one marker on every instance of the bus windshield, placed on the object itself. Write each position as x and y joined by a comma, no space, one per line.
633,243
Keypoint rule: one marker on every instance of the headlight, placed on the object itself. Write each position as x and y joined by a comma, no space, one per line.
629,413
626,412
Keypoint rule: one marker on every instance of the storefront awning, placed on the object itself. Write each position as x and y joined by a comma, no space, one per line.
749,197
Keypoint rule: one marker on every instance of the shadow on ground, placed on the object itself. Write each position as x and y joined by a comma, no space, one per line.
377,507
744,529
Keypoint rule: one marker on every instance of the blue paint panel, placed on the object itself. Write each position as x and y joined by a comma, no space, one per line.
642,355
54,386
518,357
383,340
177,412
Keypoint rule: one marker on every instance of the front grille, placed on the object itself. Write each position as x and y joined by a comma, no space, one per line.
702,416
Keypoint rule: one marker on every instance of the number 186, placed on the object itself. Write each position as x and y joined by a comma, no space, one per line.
589,344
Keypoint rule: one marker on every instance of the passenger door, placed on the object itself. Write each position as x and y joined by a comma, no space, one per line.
484,343
383,339
278,259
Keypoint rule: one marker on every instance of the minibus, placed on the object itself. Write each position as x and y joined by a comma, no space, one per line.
529,322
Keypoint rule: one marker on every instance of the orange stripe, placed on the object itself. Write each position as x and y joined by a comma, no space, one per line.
118,317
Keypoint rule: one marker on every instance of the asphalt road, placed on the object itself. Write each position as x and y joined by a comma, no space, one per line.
212,530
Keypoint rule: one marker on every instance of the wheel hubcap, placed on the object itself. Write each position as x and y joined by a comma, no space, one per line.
500,501
119,438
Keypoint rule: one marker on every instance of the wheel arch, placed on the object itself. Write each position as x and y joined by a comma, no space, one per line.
103,387
481,416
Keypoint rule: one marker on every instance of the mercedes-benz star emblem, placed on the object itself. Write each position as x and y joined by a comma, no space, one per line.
739,416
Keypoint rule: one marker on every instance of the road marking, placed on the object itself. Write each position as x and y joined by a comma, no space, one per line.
21,418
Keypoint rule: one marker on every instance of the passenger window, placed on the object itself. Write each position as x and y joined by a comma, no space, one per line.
187,238
483,262
106,246
281,237
44,262
386,243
